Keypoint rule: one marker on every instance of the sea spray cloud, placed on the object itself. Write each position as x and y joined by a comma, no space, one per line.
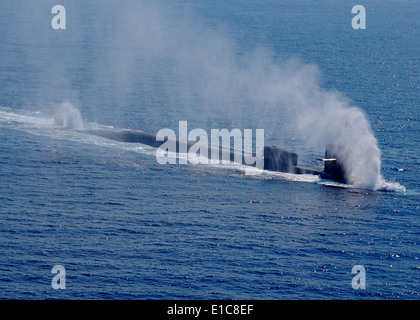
68,116
209,79
335,121
205,78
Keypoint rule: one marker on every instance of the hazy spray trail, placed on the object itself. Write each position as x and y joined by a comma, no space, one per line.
145,51
68,116
281,96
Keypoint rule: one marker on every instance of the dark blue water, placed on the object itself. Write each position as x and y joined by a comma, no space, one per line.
125,227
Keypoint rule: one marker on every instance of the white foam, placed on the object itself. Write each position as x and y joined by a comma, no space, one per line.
384,185
25,118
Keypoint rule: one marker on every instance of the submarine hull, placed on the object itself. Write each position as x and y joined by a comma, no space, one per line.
275,159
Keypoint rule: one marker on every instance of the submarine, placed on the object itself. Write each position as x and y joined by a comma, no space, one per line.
275,158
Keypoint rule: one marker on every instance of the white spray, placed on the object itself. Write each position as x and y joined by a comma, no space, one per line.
286,96
205,76
68,116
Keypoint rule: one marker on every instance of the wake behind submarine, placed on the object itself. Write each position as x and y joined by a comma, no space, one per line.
275,158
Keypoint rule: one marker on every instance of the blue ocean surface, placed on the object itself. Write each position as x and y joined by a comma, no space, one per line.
126,227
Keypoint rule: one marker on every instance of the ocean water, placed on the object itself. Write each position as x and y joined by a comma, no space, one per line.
125,227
